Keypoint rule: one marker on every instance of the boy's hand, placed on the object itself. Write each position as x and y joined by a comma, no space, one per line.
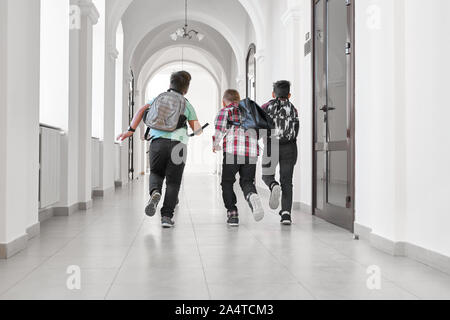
124,136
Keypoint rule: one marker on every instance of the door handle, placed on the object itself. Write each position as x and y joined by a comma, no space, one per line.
327,108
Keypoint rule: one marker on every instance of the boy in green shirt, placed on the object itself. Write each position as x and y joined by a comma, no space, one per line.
168,153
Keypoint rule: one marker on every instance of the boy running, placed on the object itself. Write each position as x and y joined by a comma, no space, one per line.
240,152
168,152
283,151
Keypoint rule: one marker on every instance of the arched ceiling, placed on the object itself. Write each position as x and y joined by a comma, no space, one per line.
189,66
117,8
214,47
171,56
227,24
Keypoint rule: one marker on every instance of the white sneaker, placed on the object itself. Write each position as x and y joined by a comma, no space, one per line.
275,196
256,205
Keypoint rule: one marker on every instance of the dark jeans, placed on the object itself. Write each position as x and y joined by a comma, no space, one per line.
286,159
167,162
232,165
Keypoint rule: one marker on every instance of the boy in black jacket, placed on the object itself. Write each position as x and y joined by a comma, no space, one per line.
283,151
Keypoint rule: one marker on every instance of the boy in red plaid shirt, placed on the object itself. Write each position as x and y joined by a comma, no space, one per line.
241,151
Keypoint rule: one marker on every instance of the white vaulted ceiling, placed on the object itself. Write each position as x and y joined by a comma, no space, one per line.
228,26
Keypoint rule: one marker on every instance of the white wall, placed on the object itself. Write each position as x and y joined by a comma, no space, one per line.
3,116
54,82
401,163
426,130
98,77
20,117
119,82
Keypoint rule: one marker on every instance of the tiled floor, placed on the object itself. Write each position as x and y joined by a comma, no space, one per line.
124,255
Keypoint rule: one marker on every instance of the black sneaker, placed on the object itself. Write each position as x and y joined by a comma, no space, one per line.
254,201
233,219
167,222
286,219
152,204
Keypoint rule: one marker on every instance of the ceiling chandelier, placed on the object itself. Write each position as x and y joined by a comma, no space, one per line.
183,33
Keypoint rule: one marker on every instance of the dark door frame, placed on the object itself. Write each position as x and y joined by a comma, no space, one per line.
131,104
351,114
251,48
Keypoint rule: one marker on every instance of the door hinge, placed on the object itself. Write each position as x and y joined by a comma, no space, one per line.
348,48
348,2
349,202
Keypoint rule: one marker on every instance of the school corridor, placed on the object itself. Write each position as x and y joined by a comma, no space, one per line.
370,187
124,255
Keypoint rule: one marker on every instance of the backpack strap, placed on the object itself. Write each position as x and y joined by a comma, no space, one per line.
235,123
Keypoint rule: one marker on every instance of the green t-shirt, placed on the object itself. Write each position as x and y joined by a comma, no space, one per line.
179,134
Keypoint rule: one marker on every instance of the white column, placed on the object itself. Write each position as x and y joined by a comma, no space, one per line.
107,166
19,123
137,140
263,84
293,19
69,146
76,146
125,123
241,84
89,17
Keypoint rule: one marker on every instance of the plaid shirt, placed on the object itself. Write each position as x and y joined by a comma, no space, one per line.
235,139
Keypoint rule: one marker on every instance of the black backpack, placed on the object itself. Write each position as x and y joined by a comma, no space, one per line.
285,118
253,117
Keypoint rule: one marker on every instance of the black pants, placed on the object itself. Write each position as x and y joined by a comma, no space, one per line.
167,162
232,165
284,155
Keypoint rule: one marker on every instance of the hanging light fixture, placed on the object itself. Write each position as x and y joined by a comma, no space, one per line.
183,32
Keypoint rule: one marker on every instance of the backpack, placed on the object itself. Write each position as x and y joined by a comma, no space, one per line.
285,118
167,112
253,117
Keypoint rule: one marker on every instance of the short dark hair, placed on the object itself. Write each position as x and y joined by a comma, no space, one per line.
231,96
282,89
180,81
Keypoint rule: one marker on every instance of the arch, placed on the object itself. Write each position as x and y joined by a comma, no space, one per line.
161,67
215,47
202,51
251,55
253,10
213,23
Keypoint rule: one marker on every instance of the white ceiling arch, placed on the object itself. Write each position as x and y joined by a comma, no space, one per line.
116,9
194,55
147,27
227,17
214,45
168,64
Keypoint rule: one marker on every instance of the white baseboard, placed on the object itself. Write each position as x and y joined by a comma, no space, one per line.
7,250
34,230
48,213
83,206
404,249
65,211
98,193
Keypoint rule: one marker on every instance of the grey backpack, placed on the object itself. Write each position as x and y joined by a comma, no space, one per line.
167,112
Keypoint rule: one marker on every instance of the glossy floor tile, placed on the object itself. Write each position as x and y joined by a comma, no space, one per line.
113,251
